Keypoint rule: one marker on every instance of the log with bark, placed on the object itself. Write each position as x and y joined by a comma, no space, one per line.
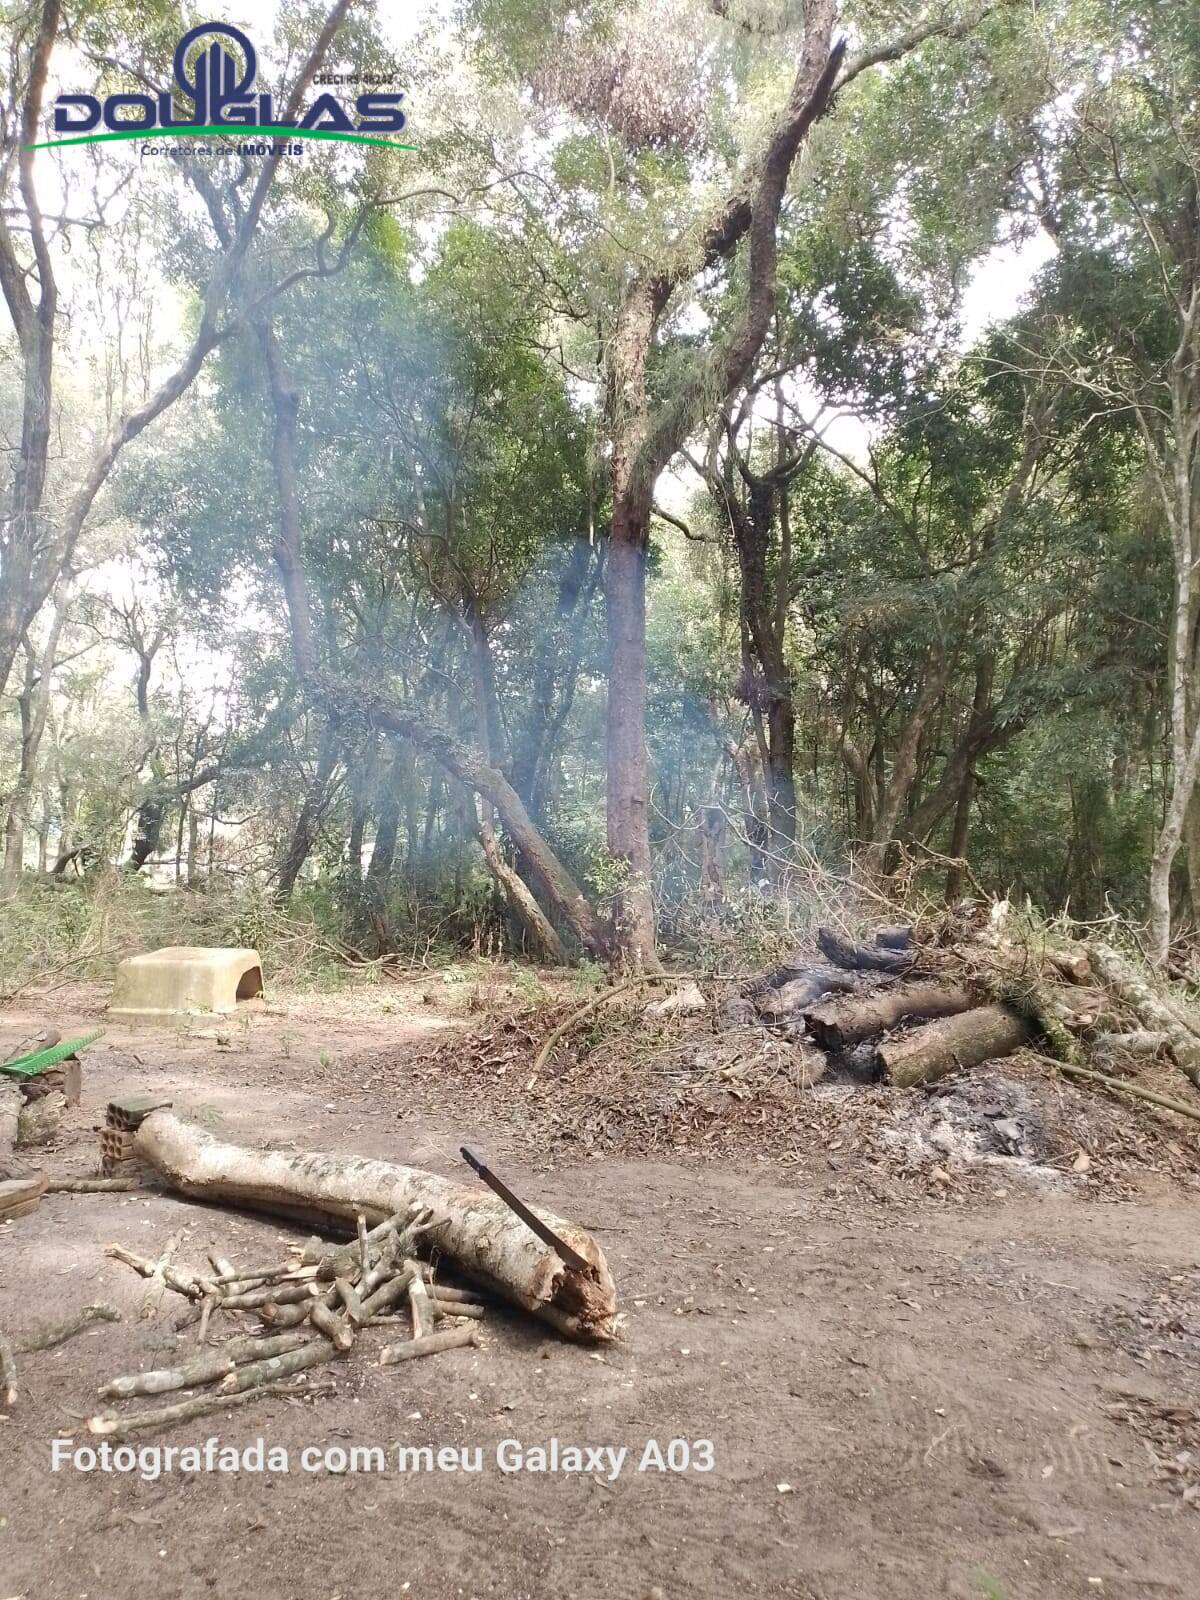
473,1228
1155,1011
115,1428
92,1185
936,1048
837,1024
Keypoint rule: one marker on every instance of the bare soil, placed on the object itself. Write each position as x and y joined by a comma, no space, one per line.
912,1389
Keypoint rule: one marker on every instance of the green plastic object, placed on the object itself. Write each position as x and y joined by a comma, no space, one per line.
41,1060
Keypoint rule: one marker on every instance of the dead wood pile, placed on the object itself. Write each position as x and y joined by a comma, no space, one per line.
863,1016
929,1003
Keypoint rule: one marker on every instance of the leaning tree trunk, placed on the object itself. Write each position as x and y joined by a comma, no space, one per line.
463,762
147,835
517,894
308,823
470,1225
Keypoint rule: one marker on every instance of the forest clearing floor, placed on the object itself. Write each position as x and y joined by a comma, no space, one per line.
981,1383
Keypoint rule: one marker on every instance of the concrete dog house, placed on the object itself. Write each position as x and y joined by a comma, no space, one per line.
185,978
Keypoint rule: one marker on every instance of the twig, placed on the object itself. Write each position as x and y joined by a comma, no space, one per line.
8,1374
93,1185
152,1298
59,1332
586,1010
1135,1091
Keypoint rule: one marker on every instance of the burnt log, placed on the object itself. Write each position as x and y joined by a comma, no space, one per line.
837,1024
931,1051
791,987
862,957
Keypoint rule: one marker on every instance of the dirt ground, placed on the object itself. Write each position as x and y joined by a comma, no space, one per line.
984,1400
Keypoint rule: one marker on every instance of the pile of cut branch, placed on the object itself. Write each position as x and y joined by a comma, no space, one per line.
312,1309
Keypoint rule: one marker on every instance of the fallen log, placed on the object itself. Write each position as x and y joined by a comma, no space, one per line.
470,1226
804,982
442,1291
270,1368
862,957
386,1295
45,1338
184,1283
457,1308
1142,1042
293,1313
350,1298
1153,1010
840,1023
789,999
339,1330
936,1048
278,1294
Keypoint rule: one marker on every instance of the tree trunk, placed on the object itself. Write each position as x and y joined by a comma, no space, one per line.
936,1048
34,706
470,1225
628,788
517,895
193,847
956,873
899,782
308,823
781,765
1166,848
147,836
